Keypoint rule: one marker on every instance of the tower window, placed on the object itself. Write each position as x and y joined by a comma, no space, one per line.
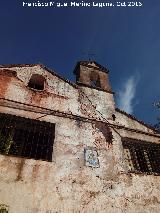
94,80
36,82
93,83
141,156
27,138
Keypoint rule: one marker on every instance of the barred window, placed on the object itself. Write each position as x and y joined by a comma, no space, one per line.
25,137
141,156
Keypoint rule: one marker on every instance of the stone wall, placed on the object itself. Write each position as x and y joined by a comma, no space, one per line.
70,183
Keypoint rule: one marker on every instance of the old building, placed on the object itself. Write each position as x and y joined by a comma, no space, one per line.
65,147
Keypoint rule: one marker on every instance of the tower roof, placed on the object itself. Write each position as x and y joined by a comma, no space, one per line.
91,64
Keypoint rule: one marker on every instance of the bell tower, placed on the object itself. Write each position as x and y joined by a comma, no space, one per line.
92,74
96,96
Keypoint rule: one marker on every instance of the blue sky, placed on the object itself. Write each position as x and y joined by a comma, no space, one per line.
126,40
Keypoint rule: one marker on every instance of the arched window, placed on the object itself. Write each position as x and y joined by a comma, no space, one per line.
93,83
94,80
36,82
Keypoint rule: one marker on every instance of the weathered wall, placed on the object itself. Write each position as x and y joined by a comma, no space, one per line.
96,104
67,184
58,94
127,121
91,72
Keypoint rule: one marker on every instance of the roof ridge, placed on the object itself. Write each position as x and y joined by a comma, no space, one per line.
86,63
136,119
16,65
42,66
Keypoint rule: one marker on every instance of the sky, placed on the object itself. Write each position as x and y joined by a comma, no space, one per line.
124,39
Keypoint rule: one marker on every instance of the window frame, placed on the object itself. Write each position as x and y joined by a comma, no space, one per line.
40,147
144,156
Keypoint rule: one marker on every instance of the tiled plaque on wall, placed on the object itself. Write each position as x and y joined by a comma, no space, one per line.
91,157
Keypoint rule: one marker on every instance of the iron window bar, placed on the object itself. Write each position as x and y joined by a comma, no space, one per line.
141,156
24,137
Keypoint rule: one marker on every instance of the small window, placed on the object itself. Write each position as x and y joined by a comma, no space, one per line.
27,138
36,82
141,156
113,117
95,81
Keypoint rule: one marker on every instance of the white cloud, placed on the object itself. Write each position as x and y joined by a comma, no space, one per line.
127,94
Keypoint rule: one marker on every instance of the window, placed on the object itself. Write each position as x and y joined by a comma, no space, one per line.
94,80
36,82
113,117
141,156
27,138
93,83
